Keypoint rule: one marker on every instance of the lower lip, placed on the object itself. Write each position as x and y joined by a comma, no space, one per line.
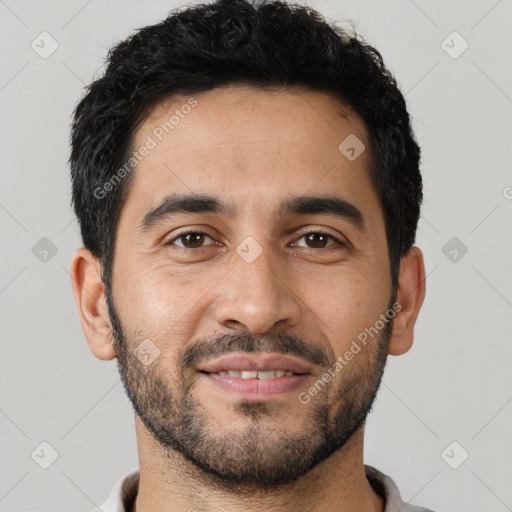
257,388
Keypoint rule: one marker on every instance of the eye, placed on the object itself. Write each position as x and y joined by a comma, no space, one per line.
315,239
319,239
190,239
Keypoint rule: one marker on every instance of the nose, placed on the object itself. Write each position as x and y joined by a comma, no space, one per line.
256,297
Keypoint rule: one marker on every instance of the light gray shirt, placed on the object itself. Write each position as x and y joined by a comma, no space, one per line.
123,494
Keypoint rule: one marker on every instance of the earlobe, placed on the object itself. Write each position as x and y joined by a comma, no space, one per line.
411,293
89,293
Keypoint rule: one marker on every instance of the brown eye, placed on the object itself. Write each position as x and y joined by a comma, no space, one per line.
318,240
190,240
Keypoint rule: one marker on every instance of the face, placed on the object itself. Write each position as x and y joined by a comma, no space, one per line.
276,262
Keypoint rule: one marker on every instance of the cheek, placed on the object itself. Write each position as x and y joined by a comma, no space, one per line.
164,306
346,306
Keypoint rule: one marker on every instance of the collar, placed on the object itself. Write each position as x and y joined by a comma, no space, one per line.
124,493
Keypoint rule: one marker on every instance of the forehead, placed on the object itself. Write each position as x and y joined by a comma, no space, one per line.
255,146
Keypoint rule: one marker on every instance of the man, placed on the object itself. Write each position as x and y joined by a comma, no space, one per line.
248,190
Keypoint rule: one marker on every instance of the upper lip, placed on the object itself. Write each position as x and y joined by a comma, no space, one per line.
256,362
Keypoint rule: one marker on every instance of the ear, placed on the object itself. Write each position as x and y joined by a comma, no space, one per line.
89,293
411,293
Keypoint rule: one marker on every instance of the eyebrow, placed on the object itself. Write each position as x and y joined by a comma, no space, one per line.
299,205
325,205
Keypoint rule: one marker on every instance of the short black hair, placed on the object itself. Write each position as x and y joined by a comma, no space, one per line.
260,43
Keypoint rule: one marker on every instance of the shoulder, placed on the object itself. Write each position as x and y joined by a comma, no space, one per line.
385,486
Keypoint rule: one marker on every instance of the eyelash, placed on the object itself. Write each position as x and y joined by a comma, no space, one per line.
197,232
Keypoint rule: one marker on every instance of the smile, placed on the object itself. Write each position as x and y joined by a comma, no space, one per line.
256,385
264,374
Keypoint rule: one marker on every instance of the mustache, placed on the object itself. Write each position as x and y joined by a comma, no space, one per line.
280,343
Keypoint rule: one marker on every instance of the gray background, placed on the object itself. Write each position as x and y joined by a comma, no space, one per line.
454,384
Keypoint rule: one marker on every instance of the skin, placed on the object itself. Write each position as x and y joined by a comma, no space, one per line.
252,148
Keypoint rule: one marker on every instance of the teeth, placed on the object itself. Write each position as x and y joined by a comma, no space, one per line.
265,374
268,374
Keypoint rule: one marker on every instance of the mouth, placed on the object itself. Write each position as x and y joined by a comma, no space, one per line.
262,363
248,374
256,376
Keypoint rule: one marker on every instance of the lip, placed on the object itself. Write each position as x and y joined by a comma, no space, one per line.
256,362
260,389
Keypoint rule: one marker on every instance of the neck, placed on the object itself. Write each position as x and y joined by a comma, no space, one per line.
168,482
